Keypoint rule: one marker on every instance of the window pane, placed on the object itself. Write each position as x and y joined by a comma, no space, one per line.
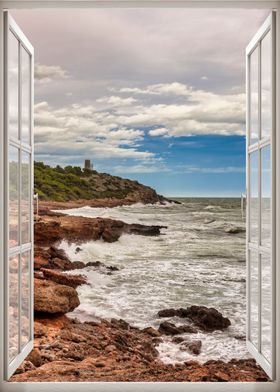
25,198
13,85
266,197
254,200
25,104
266,75
266,306
13,307
13,196
254,98
25,295
254,313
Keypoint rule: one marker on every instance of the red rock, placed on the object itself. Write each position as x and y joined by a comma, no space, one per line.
35,357
50,297
50,230
64,279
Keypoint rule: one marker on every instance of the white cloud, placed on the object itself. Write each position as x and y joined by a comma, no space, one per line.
213,170
81,130
158,132
47,73
117,101
204,77
198,112
168,89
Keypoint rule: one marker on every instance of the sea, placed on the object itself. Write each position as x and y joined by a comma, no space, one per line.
199,259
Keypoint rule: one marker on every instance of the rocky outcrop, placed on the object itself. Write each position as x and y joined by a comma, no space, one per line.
208,319
50,230
53,258
64,279
167,328
52,298
67,350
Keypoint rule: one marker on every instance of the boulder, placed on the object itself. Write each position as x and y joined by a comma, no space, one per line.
167,328
192,346
51,297
167,313
35,357
64,279
208,319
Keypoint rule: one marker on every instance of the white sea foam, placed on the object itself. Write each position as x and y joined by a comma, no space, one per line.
192,262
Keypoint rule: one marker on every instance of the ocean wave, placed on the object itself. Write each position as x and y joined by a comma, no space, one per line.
179,268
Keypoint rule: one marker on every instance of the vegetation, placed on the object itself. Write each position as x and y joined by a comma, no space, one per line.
73,183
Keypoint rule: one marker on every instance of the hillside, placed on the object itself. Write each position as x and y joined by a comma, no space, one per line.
73,183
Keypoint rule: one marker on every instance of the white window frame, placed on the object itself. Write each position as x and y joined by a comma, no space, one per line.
18,250
146,386
257,147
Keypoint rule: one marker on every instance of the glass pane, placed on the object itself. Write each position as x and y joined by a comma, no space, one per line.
13,85
25,198
266,306
254,312
13,196
254,98
13,307
25,104
254,200
266,78
25,304
266,197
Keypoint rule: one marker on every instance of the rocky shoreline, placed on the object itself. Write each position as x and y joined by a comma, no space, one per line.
66,349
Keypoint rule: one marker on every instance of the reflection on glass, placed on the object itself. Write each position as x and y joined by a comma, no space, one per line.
254,98
13,85
13,307
266,64
13,196
266,306
25,198
266,197
254,312
25,304
25,105
254,200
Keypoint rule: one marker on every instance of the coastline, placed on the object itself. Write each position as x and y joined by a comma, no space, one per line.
69,350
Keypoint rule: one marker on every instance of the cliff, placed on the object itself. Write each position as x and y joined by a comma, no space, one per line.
73,183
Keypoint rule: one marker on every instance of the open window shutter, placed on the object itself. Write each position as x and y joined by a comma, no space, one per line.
260,56
19,196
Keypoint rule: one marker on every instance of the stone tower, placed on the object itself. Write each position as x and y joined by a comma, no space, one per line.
88,164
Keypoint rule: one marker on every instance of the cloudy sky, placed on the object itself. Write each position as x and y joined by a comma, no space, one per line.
156,95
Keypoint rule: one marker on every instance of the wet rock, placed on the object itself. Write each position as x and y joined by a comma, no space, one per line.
167,313
167,328
51,297
177,339
64,279
151,331
78,229
235,230
193,347
78,249
208,319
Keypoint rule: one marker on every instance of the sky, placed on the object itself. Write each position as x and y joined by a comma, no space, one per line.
156,95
